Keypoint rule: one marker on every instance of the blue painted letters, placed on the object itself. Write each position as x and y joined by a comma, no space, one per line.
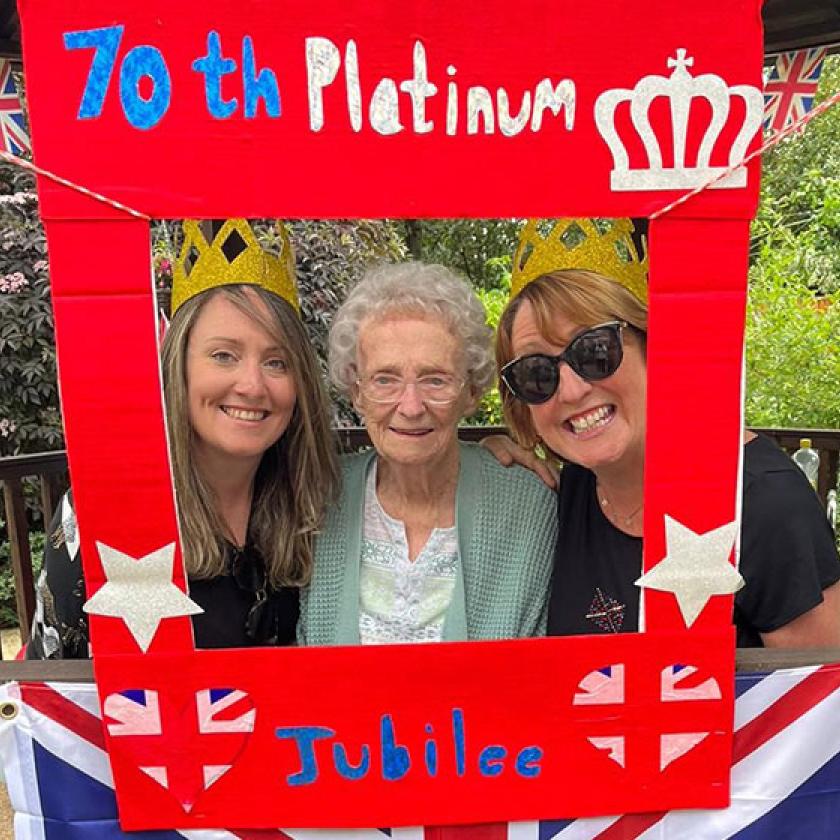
417,756
140,62
345,768
262,85
460,745
431,752
305,738
491,760
527,762
141,112
105,42
395,757
214,66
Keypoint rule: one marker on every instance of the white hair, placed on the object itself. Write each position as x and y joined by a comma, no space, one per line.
408,288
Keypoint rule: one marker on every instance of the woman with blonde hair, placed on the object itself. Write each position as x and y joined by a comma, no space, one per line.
571,349
253,457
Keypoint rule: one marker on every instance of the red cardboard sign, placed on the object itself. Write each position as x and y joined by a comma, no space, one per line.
507,730
374,108
251,106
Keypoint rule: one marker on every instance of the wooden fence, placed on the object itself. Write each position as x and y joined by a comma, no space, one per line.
49,471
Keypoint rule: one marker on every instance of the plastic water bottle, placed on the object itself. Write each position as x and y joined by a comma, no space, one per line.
808,460
831,509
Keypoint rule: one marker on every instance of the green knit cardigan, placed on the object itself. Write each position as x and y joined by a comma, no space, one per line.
506,520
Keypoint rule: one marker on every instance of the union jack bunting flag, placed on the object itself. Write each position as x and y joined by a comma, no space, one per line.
791,86
785,775
15,137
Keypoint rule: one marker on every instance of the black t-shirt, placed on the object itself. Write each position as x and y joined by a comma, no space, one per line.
226,608
60,628
788,554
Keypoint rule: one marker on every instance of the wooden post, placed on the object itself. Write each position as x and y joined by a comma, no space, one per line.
21,556
49,497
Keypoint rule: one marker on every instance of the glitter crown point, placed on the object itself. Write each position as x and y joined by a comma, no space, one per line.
232,255
602,246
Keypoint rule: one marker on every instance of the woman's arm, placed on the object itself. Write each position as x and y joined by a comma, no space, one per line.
508,453
789,562
817,628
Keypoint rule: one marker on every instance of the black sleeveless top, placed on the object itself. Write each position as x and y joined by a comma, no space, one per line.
788,554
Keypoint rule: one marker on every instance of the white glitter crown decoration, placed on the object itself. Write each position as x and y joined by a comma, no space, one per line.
680,88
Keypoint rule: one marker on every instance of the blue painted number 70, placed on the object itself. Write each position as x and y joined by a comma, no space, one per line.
139,62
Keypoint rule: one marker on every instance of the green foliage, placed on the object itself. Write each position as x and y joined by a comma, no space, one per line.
481,250
166,244
800,198
29,417
793,338
793,326
468,246
331,257
489,411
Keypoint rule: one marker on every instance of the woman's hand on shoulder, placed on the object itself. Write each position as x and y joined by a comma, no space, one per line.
508,453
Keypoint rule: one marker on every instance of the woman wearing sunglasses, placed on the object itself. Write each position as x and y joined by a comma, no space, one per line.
571,352
432,539
252,452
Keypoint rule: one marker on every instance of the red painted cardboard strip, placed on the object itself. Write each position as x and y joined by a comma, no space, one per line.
695,346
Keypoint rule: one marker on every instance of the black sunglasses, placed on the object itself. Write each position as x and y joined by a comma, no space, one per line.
248,572
593,354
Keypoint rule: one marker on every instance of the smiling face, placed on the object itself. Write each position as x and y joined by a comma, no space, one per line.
595,424
408,430
240,392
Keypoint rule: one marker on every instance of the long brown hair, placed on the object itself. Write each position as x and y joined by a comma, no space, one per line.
297,477
585,298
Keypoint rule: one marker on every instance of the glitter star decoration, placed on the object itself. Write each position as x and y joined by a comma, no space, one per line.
140,591
695,568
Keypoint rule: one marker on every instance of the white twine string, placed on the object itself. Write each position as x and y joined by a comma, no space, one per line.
117,205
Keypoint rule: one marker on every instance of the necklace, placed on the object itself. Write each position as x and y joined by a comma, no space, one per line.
613,514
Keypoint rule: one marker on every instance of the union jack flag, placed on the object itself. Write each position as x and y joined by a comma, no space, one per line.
15,137
791,86
227,715
785,774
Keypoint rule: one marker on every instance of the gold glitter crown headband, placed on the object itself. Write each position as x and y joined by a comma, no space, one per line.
605,246
233,256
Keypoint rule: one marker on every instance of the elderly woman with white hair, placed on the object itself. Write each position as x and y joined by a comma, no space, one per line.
432,539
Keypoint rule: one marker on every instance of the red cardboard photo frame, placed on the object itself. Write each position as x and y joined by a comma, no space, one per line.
130,104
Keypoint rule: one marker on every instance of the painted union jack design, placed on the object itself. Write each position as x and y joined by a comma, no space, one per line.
15,136
683,682
785,774
790,89
217,728
605,685
678,683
